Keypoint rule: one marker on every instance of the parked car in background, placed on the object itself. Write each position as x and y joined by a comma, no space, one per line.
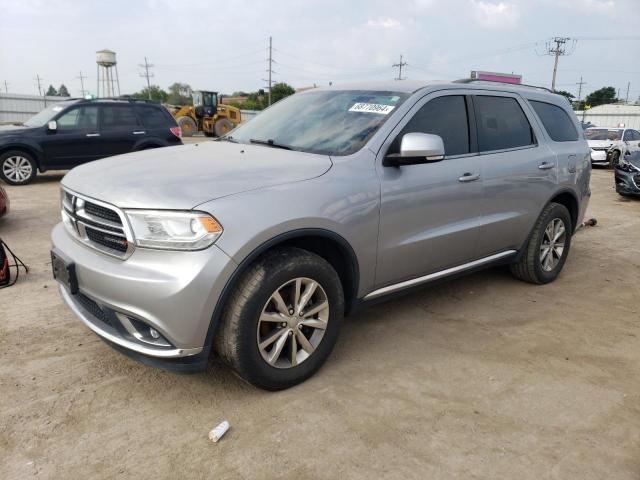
627,175
257,244
608,145
73,132
4,202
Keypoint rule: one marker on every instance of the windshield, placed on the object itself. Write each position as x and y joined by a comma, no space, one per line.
603,134
324,122
44,116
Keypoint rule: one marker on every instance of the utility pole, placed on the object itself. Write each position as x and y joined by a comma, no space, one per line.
558,50
270,71
580,83
146,74
399,65
38,79
82,77
626,99
6,87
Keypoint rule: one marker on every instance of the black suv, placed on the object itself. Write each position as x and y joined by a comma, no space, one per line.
72,132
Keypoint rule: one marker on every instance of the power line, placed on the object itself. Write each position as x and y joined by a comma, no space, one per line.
560,49
147,75
399,65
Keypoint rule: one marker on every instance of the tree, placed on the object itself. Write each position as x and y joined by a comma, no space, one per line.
180,94
51,92
281,90
157,94
570,96
63,92
601,97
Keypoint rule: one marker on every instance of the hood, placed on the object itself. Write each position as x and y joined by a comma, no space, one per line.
600,143
185,176
6,130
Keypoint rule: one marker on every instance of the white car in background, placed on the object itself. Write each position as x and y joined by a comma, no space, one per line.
608,145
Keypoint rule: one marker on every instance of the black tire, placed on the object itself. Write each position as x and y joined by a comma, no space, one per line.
236,340
10,158
615,159
188,126
529,267
223,126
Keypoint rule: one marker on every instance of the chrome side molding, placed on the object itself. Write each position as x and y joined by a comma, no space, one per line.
436,275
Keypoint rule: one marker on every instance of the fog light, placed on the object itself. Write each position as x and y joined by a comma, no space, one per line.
154,333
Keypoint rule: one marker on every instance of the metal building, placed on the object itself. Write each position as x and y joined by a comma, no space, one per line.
612,115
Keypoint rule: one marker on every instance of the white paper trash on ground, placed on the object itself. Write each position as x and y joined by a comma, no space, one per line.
217,433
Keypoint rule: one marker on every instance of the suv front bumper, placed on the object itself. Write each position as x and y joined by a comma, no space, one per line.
174,293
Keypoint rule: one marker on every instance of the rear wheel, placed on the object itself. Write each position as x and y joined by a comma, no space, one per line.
547,249
188,126
282,320
223,126
17,168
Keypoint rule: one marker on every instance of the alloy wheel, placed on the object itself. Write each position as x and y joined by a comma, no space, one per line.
552,245
292,323
17,168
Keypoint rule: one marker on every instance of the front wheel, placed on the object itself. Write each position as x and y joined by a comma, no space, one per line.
222,127
282,320
17,168
547,249
615,159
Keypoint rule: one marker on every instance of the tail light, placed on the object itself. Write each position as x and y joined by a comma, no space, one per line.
177,131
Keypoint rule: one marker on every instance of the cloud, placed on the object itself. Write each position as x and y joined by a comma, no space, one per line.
495,15
380,22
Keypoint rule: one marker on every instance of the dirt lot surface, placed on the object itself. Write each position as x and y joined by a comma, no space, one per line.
481,377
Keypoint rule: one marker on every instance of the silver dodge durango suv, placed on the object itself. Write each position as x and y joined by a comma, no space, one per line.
254,246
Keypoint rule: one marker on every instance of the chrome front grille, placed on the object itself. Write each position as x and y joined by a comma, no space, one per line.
97,224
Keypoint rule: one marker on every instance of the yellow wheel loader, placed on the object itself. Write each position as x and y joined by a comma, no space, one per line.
206,115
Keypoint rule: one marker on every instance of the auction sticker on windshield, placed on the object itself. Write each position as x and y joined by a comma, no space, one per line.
372,108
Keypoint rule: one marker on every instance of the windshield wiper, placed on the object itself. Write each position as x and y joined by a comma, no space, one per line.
227,139
269,143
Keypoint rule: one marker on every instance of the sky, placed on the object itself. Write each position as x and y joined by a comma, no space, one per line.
223,46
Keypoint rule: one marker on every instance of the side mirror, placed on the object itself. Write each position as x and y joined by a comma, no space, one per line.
52,126
417,148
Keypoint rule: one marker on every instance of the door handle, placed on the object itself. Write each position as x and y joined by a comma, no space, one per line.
546,165
469,177
93,135
139,132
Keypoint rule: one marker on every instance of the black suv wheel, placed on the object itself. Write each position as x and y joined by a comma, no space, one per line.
17,167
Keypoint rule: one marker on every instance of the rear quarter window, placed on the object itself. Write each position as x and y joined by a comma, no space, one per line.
556,121
155,117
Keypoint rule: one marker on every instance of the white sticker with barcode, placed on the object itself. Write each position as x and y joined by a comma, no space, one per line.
372,108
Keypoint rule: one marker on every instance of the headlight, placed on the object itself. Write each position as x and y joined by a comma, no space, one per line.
170,230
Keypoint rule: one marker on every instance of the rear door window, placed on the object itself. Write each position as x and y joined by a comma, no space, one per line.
118,117
501,123
556,122
444,116
153,117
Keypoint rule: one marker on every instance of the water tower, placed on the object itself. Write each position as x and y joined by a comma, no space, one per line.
107,82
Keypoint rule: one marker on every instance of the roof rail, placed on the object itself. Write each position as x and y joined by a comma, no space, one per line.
123,98
472,80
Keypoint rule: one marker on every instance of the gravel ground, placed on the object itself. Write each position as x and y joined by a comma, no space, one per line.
480,377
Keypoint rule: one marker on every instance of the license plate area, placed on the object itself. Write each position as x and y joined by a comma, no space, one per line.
64,272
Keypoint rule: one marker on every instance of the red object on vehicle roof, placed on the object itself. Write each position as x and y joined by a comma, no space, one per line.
497,77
